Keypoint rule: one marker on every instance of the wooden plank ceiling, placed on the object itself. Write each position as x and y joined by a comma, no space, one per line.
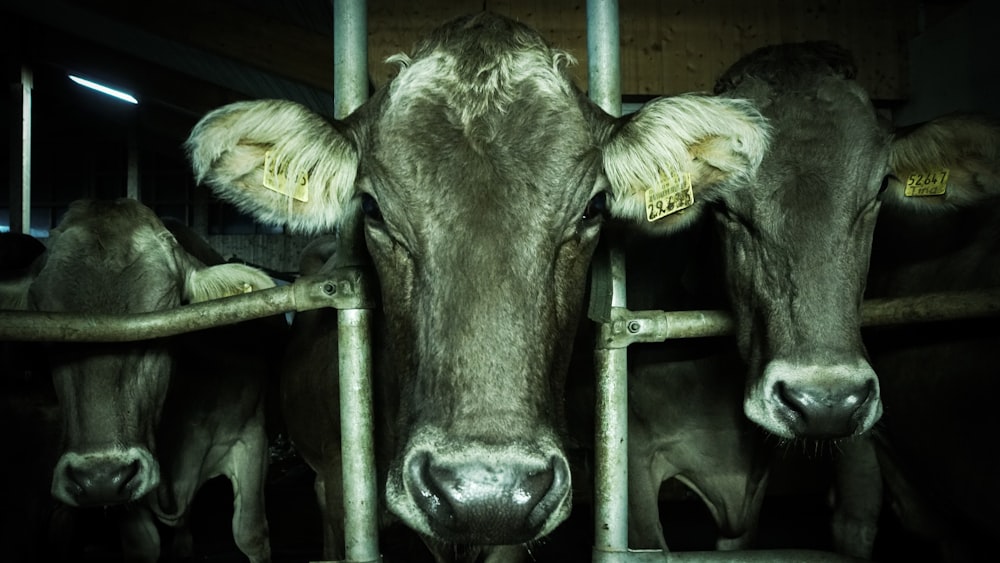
184,57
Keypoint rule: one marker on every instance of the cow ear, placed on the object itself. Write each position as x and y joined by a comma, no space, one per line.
223,280
715,142
946,163
276,160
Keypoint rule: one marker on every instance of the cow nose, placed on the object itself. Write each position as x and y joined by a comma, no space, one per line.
102,483
825,413
487,503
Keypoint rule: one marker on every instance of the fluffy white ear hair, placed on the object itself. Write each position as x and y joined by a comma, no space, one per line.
227,150
224,280
968,145
719,141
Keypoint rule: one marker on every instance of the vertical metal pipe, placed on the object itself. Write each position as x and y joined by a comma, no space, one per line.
350,90
20,153
350,56
360,497
603,55
132,164
611,440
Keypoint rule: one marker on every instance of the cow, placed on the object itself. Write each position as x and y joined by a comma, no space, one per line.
146,424
483,175
793,249
685,415
939,380
795,242
686,422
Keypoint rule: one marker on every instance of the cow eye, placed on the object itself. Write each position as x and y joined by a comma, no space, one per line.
885,184
370,208
597,208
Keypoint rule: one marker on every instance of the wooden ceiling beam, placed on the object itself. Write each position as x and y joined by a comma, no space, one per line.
227,29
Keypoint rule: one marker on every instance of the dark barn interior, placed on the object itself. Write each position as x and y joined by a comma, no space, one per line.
181,59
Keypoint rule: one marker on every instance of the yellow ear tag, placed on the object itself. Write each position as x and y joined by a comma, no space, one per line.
674,194
275,180
927,183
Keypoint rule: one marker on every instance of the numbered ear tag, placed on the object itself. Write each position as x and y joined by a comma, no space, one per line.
275,180
674,194
928,183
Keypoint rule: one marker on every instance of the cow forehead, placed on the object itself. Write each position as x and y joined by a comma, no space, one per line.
111,258
454,136
477,84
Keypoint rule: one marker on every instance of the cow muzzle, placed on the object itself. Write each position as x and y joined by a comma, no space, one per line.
104,478
483,497
816,402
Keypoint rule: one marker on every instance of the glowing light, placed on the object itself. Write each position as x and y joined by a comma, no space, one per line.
104,89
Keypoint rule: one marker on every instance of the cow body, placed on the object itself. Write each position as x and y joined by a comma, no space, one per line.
147,423
939,379
483,175
793,248
686,419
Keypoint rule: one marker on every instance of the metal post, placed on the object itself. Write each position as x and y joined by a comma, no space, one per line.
611,440
350,56
20,153
132,164
350,90
360,534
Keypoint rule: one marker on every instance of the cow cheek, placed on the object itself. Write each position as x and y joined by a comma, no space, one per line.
570,281
394,354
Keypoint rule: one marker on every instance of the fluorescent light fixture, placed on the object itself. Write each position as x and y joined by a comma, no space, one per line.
104,89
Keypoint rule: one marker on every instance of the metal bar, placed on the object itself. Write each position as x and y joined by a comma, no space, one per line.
350,90
344,290
356,434
628,327
603,55
746,556
350,56
611,439
753,556
132,188
20,153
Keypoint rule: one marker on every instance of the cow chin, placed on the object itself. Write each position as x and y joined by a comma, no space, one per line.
815,401
105,478
477,494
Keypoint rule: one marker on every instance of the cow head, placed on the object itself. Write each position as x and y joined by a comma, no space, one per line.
480,171
117,257
796,241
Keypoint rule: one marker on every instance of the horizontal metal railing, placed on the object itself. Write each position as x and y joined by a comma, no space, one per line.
343,289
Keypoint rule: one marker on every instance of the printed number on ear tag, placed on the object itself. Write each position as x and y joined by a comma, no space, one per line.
674,194
276,180
926,183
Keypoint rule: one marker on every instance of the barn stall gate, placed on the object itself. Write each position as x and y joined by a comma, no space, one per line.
350,291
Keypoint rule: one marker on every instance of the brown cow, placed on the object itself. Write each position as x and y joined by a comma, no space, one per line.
484,175
939,380
146,424
795,242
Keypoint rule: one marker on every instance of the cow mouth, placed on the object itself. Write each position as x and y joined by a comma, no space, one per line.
104,478
485,500
815,402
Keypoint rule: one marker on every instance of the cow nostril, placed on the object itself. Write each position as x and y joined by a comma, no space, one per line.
487,503
103,483
125,477
823,413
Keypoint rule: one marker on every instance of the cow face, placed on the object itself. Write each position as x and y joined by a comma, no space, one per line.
795,242
117,257
480,171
